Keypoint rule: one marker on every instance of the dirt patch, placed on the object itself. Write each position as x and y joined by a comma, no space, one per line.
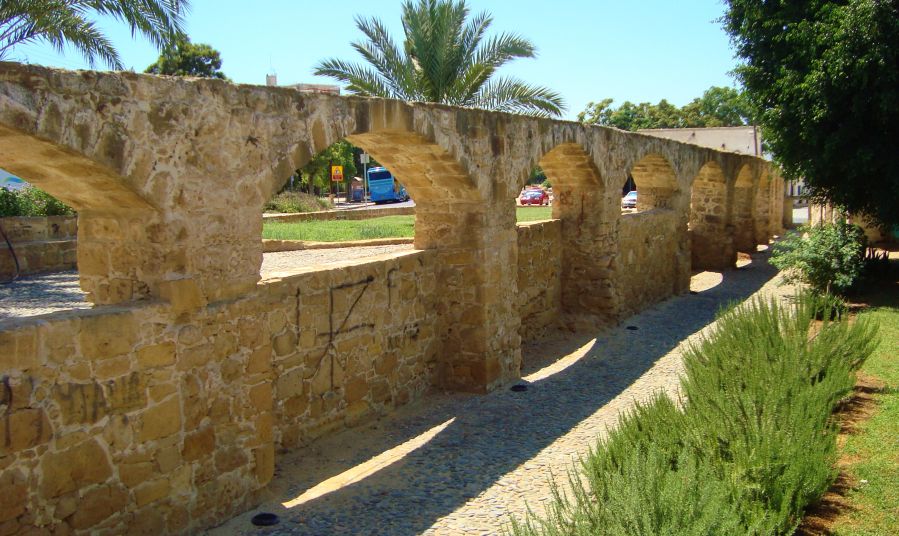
861,406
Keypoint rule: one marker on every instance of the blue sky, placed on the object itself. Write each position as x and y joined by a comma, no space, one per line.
644,50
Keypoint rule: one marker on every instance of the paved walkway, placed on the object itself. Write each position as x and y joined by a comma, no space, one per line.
60,291
458,464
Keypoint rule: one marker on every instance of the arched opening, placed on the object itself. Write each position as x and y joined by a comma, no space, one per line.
113,220
653,260
587,212
629,196
341,205
711,244
744,227
655,181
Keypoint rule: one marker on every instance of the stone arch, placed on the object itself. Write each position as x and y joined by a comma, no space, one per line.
587,212
115,249
656,182
653,259
711,244
744,228
452,218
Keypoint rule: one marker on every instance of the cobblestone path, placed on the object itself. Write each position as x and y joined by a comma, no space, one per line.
60,291
459,464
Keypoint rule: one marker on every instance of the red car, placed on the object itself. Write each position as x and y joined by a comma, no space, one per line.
534,197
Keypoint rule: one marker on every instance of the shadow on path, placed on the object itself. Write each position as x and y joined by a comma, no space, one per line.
488,436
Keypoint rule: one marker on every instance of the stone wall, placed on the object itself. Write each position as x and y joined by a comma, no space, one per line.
162,412
41,244
646,274
116,419
328,215
539,276
350,342
152,418
712,245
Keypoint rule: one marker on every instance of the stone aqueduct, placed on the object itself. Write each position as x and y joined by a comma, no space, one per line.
161,408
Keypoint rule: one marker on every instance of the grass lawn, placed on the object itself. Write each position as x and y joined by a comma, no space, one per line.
386,227
342,230
524,214
872,452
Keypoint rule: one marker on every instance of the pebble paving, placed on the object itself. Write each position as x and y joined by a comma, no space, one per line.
60,291
495,457
41,294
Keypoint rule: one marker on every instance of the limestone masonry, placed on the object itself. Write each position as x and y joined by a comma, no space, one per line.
161,410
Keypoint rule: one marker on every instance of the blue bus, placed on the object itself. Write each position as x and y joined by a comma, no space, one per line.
383,188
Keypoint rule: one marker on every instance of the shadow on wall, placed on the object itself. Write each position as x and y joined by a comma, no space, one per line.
477,440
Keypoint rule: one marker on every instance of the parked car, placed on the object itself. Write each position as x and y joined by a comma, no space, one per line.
534,197
629,200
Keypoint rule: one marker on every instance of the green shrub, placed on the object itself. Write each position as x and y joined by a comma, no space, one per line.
31,201
293,202
753,445
829,258
9,203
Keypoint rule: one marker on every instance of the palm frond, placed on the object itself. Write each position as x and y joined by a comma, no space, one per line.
443,59
502,48
511,95
67,22
382,53
359,80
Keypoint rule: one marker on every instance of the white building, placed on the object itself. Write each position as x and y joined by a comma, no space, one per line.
325,89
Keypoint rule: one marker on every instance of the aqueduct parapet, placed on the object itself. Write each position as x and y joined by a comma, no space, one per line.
161,408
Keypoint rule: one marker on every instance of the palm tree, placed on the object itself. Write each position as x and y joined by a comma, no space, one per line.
444,59
66,22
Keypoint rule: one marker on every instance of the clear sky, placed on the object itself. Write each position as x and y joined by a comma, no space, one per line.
642,50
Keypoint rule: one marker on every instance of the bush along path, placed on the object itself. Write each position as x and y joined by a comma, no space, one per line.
749,445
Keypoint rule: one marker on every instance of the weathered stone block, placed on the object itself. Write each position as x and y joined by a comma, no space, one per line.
151,491
184,294
107,335
161,420
157,355
264,458
24,429
285,343
198,444
260,360
261,395
83,464
99,504
133,474
229,458
80,402
14,498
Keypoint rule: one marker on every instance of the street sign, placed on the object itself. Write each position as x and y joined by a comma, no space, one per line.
364,158
336,173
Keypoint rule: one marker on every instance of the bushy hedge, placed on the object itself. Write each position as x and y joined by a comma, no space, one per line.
31,201
750,445
293,202
829,258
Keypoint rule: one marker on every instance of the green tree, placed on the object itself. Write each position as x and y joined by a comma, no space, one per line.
445,58
189,59
67,22
718,107
824,76
316,175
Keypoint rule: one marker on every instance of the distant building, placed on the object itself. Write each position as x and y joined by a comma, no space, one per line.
324,89
743,140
